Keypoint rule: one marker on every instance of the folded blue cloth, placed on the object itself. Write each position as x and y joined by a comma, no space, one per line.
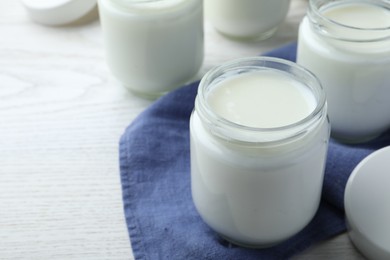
155,175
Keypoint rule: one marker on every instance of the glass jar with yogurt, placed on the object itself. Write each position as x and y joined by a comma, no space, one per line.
153,46
247,19
346,43
259,137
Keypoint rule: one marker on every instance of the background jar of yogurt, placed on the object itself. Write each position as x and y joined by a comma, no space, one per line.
152,46
257,186
346,43
247,19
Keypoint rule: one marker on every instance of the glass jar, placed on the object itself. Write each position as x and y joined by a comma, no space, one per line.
256,185
153,46
346,44
247,19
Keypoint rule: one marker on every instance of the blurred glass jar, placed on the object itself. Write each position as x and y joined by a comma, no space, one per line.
346,43
247,19
153,46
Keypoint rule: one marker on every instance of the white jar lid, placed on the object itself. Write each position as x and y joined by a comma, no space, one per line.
58,12
367,205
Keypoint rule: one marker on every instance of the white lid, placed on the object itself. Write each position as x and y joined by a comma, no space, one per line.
58,12
367,205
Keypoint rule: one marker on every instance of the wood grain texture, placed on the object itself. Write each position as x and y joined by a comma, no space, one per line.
61,116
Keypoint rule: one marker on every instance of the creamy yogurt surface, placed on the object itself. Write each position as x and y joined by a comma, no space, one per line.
262,99
358,15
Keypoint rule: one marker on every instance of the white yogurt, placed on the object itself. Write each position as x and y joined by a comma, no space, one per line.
253,19
343,44
259,139
247,99
155,46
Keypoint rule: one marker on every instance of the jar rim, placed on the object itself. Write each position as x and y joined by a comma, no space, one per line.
326,24
258,63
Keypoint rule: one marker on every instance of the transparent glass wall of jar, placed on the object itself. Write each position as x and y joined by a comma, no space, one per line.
257,186
247,19
154,46
346,43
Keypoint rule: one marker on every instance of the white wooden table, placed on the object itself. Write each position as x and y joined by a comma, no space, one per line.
61,116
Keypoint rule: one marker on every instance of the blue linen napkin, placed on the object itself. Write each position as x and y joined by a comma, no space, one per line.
155,175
